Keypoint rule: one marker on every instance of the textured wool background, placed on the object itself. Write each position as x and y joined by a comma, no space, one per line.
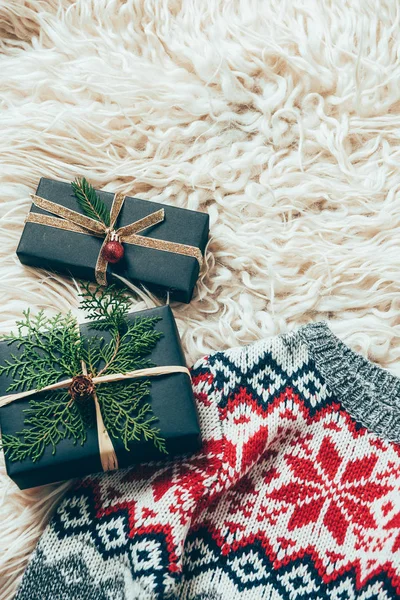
280,119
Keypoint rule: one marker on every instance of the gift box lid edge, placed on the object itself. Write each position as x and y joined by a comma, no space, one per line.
160,204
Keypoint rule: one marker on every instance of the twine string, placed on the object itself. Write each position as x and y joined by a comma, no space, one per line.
108,456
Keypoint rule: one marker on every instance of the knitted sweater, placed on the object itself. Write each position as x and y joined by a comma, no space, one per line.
294,496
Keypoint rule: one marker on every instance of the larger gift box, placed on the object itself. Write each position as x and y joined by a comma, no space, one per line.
75,253
172,403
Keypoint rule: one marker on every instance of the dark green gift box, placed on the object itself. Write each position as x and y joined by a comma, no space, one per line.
76,253
172,402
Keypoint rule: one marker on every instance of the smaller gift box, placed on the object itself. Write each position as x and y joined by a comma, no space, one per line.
170,398
163,245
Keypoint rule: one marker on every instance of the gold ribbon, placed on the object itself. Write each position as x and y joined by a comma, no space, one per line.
108,456
73,221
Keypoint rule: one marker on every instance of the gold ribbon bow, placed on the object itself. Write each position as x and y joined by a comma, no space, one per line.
108,456
73,221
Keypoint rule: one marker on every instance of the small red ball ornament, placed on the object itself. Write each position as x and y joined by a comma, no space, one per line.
113,251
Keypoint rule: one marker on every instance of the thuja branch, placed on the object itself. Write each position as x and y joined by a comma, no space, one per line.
117,342
51,349
48,349
49,419
125,414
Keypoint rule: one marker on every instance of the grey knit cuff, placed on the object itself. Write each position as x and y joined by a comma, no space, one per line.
369,393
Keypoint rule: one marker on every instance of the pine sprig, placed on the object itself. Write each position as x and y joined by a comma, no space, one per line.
90,203
51,349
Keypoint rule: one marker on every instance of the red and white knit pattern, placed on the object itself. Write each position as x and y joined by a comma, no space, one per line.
290,498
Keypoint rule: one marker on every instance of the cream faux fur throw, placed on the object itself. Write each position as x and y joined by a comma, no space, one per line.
279,118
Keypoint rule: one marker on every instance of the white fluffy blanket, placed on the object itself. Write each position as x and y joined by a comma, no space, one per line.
279,118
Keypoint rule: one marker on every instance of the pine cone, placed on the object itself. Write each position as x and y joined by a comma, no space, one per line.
81,388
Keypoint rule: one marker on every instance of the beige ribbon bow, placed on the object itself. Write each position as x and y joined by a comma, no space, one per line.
74,221
108,456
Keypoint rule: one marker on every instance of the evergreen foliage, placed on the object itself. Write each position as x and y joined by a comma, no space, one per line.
52,349
90,203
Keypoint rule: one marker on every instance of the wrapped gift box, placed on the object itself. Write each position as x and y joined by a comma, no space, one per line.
76,253
171,399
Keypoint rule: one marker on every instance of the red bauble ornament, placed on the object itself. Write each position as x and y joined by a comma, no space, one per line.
113,251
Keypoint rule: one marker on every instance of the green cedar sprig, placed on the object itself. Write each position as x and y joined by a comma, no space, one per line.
90,203
49,419
51,349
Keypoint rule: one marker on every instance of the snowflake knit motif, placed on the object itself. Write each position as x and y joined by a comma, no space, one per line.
295,494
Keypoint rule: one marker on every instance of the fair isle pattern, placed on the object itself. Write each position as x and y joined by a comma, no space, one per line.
290,498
